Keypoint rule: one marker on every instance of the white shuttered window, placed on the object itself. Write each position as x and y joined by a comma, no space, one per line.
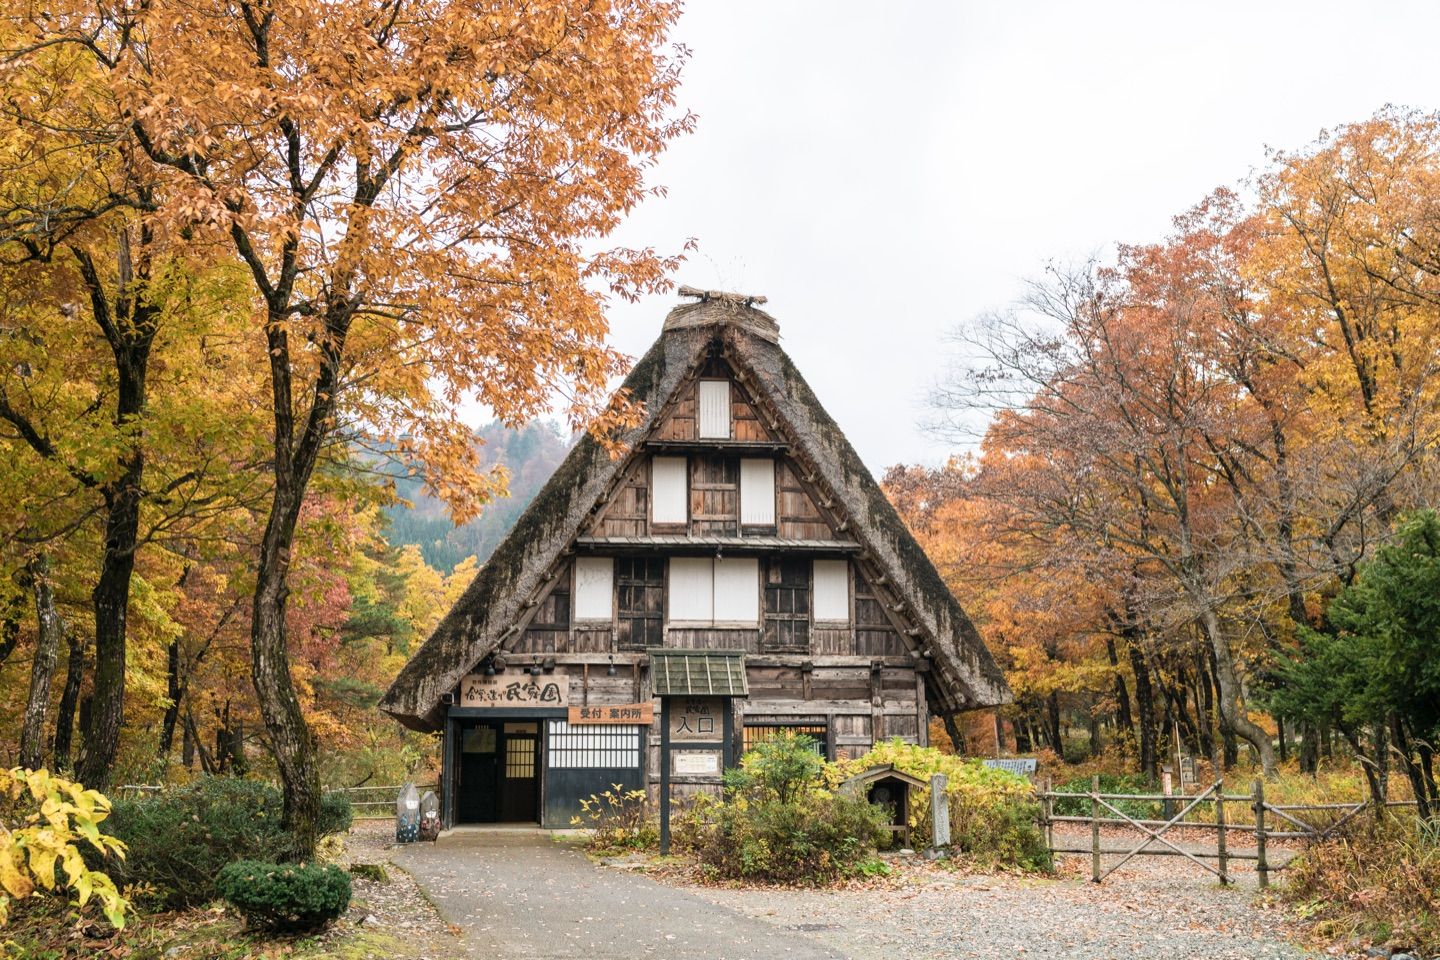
715,409
737,590
594,588
703,590
692,589
832,590
670,499
757,492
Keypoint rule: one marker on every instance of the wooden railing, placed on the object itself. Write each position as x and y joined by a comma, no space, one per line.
1301,821
369,802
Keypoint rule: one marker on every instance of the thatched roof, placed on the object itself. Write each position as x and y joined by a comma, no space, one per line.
965,676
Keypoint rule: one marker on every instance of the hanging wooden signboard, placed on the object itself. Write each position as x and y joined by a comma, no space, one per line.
640,713
507,691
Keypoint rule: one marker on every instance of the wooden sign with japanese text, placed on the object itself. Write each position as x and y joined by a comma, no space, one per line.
508,691
698,718
639,713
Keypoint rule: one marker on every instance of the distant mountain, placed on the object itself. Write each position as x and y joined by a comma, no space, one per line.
531,454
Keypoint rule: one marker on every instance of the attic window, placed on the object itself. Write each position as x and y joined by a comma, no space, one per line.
715,409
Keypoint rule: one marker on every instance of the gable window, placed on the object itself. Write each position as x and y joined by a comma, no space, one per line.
714,409
832,590
706,590
787,603
594,588
670,504
640,592
757,493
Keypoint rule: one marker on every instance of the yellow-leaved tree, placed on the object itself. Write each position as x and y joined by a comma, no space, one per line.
45,819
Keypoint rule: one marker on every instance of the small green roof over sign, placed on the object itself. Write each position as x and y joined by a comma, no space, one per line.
698,673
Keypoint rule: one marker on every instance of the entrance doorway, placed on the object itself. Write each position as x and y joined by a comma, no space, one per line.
499,772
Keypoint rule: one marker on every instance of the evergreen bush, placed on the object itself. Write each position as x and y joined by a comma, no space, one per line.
285,896
181,837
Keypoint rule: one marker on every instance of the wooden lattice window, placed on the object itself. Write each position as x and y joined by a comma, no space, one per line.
640,592
787,604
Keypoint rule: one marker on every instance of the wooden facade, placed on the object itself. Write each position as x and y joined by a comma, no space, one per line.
717,532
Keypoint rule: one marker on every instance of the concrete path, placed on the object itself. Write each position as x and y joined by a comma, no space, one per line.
523,895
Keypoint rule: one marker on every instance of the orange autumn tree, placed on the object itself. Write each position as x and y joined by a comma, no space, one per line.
419,194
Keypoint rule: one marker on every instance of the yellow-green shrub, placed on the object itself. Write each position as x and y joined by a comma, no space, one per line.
993,813
43,818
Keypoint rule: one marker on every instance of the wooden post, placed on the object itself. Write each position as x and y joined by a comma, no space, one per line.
1262,866
1220,832
1095,828
1047,810
664,776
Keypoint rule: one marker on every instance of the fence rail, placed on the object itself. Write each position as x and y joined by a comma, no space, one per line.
1299,821
368,802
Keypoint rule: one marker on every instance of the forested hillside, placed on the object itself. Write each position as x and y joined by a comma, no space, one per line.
529,455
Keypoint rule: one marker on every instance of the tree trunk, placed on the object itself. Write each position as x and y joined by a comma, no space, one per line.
1052,724
42,669
1282,739
1145,707
131,333
69,699
1123,718
1413,770
173,694
1309,749
953,729
1227,685
290,738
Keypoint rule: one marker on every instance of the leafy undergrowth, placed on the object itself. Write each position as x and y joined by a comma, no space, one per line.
47,930
1377,882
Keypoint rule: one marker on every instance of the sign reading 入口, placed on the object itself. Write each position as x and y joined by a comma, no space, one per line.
698,718
641,713
501,691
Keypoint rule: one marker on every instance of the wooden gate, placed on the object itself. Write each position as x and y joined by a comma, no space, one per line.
1156,837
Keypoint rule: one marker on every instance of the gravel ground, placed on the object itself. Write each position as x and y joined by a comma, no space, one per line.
1159,907
394,911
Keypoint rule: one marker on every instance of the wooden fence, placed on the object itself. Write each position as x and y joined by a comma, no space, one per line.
1257,818
369,803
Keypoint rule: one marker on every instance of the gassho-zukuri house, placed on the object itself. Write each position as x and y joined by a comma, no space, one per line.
738,572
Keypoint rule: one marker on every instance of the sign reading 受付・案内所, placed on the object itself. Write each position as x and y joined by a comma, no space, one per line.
509,691
641,713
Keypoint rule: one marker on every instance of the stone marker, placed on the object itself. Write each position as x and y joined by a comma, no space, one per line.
939,815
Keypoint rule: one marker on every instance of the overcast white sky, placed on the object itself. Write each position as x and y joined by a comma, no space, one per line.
885,171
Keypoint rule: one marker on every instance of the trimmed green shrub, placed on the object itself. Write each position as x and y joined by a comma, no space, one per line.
778,823
993,813
285,896
181,837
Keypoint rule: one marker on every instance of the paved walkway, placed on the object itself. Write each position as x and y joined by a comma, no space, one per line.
522,895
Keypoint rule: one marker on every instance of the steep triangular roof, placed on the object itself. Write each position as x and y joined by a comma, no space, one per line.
507,585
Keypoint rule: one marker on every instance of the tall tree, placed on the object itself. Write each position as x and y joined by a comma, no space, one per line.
416,192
